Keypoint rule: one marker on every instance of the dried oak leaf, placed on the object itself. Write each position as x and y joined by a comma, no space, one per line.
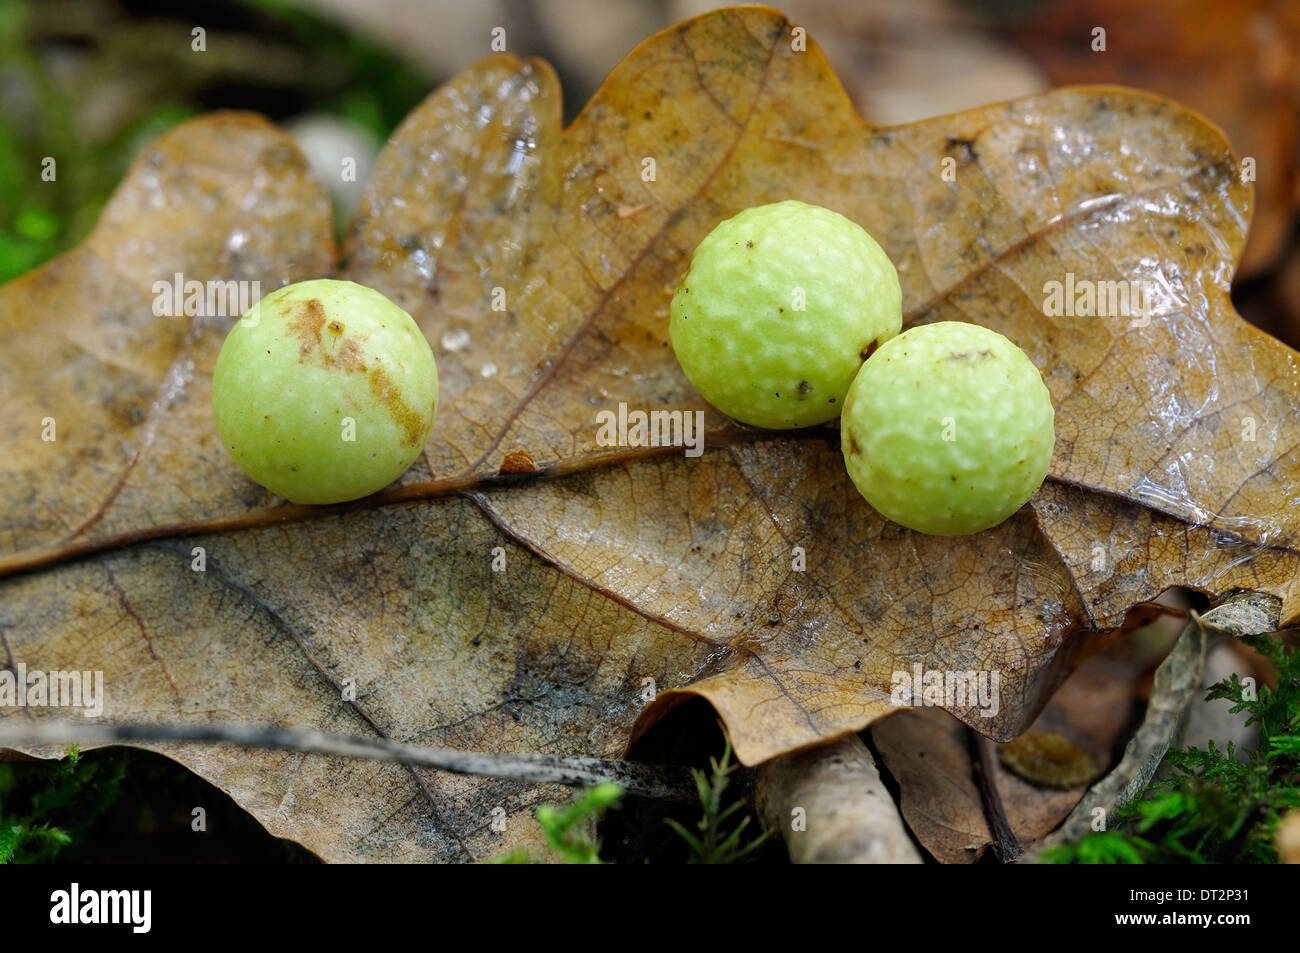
540,260
928,753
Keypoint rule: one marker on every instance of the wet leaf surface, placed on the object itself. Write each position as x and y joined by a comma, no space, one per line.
1236,61
539,262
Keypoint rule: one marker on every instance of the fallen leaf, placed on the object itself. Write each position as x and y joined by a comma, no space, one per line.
1237,61
625,572
929,754
904,60
1047,759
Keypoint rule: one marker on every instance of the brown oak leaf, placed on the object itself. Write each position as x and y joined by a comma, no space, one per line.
539,261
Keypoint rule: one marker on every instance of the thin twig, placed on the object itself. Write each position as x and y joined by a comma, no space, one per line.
1005,843
662,782
1176,685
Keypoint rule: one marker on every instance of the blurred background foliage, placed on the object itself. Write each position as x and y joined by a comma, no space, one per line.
90,82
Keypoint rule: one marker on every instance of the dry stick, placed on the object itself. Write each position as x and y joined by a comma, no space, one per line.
849,816
1005,843
662,782
1177,682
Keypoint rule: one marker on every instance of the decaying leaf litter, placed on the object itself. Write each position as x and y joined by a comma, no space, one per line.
625,564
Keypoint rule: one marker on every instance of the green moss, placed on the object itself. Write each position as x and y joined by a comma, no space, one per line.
720,834
719,837
45,805
1220,806
565,828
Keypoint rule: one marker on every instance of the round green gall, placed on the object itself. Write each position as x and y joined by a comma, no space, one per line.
948,429
325,391
780,307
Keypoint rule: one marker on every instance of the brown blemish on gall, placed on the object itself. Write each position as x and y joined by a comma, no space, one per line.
383,390
307,324
853,446
347,357
516,462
